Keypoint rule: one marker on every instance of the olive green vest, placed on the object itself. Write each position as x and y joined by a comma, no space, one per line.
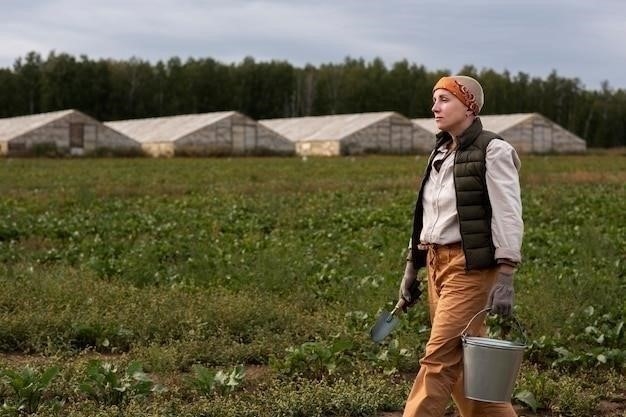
472,199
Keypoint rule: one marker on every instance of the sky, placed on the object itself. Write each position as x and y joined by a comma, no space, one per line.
581,39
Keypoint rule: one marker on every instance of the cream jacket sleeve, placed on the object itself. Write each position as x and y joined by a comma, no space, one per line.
507,227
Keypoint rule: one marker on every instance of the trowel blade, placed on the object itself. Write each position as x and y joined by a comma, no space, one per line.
383,326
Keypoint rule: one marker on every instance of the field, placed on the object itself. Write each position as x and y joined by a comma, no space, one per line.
246,286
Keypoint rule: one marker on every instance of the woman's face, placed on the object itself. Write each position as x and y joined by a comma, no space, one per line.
450,113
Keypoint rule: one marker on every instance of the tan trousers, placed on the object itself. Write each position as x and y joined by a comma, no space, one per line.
454,297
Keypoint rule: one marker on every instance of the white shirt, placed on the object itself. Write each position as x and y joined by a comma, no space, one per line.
440,221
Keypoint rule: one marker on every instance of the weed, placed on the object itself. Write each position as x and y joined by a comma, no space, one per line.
107,385
27,386
206,381
391,357
314,359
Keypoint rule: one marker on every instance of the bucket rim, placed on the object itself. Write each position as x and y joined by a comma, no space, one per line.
492,343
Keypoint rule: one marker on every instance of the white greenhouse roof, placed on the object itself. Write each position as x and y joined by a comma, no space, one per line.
319,128
501,122
495,123
426,124
13,127
166,129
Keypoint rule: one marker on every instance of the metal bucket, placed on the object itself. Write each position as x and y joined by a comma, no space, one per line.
490,366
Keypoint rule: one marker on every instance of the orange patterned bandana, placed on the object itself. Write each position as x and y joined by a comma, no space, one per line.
460,91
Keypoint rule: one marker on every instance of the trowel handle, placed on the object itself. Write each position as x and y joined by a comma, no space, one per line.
399,305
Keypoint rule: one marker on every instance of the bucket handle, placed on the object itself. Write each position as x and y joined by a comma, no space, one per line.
487,309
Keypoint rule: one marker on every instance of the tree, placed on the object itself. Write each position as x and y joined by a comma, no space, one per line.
29,83
116,90
8,92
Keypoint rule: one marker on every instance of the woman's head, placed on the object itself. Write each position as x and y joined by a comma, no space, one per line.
466,89
456,101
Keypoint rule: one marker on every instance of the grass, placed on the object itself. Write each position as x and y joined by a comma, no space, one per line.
282,264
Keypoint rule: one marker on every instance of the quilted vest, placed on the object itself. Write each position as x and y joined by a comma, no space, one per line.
472,199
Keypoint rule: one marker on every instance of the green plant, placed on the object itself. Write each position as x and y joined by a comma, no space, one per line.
28,386
357,320
594,340
314,359
206,381
226,261
527,398
106,384
573,398
541,389
390,357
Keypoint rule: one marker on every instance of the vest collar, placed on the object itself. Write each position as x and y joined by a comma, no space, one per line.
467,137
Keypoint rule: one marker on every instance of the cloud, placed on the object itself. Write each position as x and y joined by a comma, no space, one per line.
578,39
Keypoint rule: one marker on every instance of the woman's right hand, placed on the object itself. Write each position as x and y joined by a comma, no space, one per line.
410,290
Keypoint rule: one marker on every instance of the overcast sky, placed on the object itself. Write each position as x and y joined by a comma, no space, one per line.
577,38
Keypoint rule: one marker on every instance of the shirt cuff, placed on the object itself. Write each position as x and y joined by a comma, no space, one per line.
510,255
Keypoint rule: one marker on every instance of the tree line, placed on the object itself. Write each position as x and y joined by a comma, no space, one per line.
124,89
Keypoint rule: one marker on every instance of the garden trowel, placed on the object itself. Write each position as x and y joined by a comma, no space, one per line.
386,322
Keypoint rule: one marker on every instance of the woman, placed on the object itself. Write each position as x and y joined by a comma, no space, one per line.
467,232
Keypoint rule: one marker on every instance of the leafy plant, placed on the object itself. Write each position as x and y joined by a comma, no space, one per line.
594,340
106,384
527,398
207,381
357,320
28,386
314,359
391,357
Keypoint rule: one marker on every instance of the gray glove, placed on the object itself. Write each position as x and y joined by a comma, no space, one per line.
502,294
409,287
